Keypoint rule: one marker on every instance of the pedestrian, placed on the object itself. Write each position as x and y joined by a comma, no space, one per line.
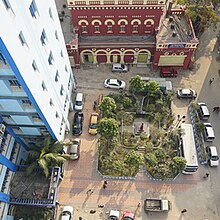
105,182
89,192
211,80
206,176
104,186
184,210
215,109
139,204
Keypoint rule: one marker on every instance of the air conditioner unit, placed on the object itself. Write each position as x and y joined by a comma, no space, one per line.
2,129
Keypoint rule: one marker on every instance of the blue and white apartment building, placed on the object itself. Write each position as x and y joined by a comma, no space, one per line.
36,83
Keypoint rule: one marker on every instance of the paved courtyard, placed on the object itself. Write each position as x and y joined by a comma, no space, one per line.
187,191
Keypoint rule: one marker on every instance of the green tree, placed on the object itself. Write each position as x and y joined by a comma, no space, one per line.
118,166
136,84
46,156
179,163
108,128
133,158
108,107
151,159
200,10
151,88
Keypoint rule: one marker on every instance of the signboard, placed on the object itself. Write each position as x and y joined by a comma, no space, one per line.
176,45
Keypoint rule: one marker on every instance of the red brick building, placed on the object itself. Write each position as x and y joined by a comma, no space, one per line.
118,31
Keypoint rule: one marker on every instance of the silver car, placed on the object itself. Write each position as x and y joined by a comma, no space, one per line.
75,149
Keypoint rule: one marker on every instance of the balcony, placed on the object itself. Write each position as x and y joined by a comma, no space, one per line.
35,190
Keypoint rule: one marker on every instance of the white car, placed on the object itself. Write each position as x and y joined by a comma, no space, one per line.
186,93
67,213
213,157
114,84
203,111
114,215
208,132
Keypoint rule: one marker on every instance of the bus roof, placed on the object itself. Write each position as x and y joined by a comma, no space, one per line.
188,144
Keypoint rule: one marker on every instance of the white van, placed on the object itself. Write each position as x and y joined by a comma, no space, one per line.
79,102
213,157
203,111
118,67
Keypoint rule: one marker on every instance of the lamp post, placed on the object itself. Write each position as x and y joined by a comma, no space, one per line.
179,120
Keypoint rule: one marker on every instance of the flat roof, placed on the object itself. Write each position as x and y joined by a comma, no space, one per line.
145,39
175,29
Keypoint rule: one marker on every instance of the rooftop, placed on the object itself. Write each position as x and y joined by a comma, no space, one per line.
147,39
175,29
65,20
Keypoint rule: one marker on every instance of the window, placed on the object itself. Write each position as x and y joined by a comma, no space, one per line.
122,28
50,13
21,38
33,9
26,102
7,4
61,90
61,53
84,29
51,102
57,76
43,37
56,35
43,86
109,29
14,83
50,58
135,28
34,65
36,118
57,115
96,29
65,68
69,83
2,58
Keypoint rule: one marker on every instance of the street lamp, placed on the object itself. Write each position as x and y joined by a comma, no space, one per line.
179,120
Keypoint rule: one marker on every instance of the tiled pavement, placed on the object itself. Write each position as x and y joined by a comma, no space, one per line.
81,175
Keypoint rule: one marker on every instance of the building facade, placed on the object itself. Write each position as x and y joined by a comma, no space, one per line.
36,80
121,31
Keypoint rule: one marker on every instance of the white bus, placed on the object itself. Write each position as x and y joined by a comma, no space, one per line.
188,149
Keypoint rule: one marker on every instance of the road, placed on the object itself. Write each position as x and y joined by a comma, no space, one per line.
198,196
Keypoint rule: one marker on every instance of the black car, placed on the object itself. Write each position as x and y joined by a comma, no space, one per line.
77,123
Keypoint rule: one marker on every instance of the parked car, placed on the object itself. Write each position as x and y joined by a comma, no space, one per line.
168,72
93,123
127,215
186,93
156,205
79,102
114,84
77,123
203,111
67,213
118,67
208,132
213,158
75,149
114,215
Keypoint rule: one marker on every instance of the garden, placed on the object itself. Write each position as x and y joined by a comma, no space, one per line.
121,151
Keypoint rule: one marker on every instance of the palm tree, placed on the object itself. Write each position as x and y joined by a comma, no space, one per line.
46,156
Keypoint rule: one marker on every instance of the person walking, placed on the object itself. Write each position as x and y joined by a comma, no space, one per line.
105,184
206,176
211,80
184,210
